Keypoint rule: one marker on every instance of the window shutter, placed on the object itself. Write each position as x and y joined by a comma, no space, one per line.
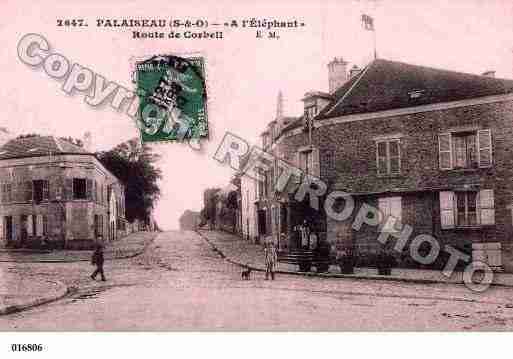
30,225
46,190
447,209
89,188
2,222
68,188
487,207
381,157
28,191
316,166
445,151
484,139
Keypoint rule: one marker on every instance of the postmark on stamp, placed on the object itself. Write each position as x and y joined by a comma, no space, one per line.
172,98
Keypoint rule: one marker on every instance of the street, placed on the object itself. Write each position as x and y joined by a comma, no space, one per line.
180,283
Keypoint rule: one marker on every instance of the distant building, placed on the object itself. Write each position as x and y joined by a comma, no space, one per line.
58,191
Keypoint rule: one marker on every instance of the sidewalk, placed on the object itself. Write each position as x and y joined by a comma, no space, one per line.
19,292
242,252
129,246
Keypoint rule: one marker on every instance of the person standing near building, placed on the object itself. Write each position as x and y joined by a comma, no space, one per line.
271,257
98,260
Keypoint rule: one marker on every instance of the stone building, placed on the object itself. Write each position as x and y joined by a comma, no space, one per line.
429,147
53,189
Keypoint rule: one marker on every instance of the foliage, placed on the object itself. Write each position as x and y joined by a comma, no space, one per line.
135,166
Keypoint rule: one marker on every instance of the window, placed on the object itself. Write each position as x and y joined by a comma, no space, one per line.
390,207
310,112
79,188
39,190
329,157
388,157
306,161
467,208
465,149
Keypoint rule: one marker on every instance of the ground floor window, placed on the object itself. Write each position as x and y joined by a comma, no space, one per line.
467,208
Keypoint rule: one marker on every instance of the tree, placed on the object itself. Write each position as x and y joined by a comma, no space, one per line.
28,135
74,141
135,166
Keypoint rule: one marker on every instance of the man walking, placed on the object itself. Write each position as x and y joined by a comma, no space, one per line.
271,257
98,260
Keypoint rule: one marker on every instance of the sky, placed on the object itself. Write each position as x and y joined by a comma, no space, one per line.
244,74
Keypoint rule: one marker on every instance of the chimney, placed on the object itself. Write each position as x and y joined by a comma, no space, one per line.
337,73
355,70
88,142
488,73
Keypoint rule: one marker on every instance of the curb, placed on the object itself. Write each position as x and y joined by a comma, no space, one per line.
339,275
15,308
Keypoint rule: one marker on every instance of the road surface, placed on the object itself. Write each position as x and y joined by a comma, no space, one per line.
180,283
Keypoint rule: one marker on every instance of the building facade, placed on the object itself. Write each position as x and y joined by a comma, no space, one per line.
429,148
58,191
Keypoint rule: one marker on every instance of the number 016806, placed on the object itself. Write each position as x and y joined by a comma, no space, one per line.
26,347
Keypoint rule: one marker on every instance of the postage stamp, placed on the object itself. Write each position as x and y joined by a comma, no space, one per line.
172,98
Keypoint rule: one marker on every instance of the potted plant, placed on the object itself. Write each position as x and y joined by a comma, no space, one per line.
384,262
346,262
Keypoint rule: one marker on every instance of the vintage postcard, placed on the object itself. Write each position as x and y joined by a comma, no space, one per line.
279,168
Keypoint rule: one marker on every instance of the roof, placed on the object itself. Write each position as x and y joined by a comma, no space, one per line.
385,85
38,146
320,94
